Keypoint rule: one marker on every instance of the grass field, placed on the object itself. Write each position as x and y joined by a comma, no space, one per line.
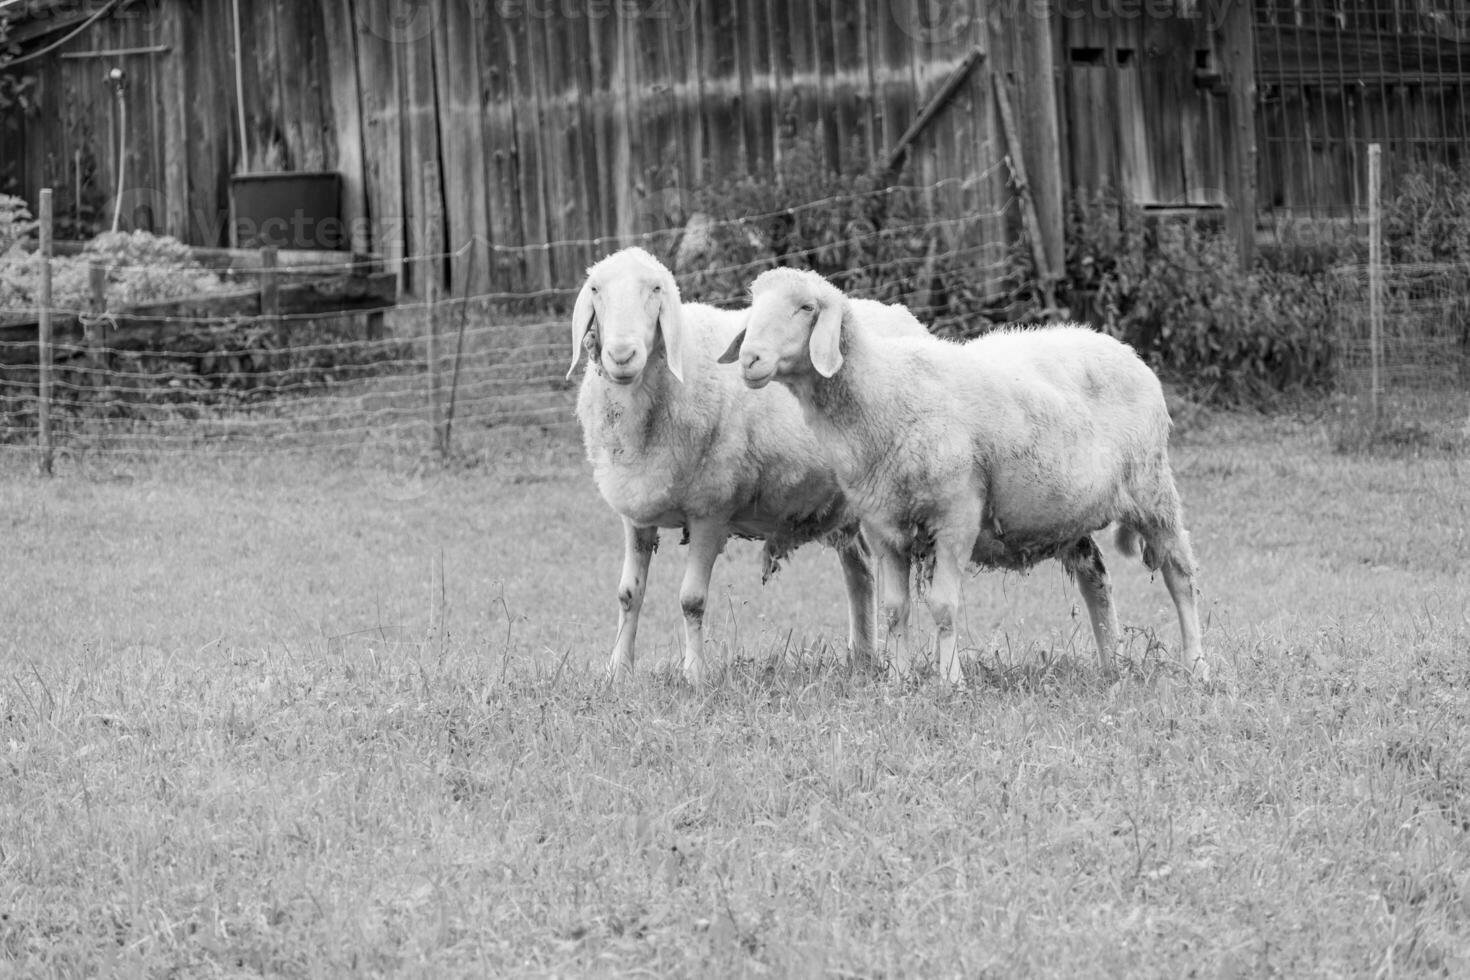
291,716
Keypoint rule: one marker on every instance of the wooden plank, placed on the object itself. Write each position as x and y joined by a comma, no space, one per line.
414,54
457,80
1037,117
621,83
382,142
501,163
563,220
176,126
343,87
1238,62
598,132
583,141
724,146
1016,156
339,294
694,95
516,46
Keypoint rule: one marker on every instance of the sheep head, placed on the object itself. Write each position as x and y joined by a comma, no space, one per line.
628,303
793,327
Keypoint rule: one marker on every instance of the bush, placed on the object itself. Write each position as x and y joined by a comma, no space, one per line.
1428,219
141,268
870,237
1176,293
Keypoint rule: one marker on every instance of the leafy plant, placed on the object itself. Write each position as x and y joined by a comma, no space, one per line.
15,88
872,238
1427,219
1177,294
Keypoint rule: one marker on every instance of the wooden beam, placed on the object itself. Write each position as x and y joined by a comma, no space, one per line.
117,52
937,101
1239,65
1037,105
1015,159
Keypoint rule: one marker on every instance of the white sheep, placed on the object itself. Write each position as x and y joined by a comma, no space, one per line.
676,442
1000,452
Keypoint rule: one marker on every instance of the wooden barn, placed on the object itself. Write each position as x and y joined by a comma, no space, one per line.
552,129
1333,76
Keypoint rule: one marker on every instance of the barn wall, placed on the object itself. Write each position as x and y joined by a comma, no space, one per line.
1145,100
532,126
1334,77
179,116
550,131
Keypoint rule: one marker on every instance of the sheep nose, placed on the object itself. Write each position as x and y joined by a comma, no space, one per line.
750,360
622,353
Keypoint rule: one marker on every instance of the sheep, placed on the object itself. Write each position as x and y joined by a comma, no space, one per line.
676,442
1001,452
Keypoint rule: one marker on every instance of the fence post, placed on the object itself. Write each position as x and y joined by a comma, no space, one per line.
270,282
43,339
428,242
1375,274
95,332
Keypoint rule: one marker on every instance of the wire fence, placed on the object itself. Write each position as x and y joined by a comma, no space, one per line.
1407,380
322,354
1403,349
243,374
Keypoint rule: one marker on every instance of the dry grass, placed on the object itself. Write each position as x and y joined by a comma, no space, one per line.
297,718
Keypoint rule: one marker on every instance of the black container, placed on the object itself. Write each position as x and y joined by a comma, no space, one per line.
288,209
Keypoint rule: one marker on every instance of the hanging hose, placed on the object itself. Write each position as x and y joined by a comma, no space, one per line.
119,80
242,163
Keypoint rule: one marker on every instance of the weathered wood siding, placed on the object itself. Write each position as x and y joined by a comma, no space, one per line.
550,132
180,103
1145,105
554,132
1336,76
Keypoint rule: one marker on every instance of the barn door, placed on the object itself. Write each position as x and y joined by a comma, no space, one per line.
1145,108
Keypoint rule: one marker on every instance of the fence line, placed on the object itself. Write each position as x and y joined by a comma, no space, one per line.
1403,348
252,377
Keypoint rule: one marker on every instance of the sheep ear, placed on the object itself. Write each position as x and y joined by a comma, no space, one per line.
582,316
826,342
671,322
732,353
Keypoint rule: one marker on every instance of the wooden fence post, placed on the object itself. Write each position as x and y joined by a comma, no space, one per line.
1375,273
95,332
270,282
43,338
1239,52
428,242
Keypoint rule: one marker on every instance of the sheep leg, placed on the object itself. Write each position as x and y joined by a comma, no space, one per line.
639,544
893,570
1085,563
857,573
706,541
1179,578
944,602
1170,553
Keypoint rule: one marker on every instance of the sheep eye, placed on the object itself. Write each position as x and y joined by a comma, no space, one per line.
657,288
808,308
593,288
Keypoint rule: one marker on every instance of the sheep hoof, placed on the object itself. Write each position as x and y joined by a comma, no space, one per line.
1203,671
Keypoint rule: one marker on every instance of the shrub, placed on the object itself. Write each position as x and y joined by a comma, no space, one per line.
1176,293
872,238
1427,219
141,268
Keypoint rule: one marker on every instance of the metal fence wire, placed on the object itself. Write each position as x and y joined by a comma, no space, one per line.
1333,76
255,384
